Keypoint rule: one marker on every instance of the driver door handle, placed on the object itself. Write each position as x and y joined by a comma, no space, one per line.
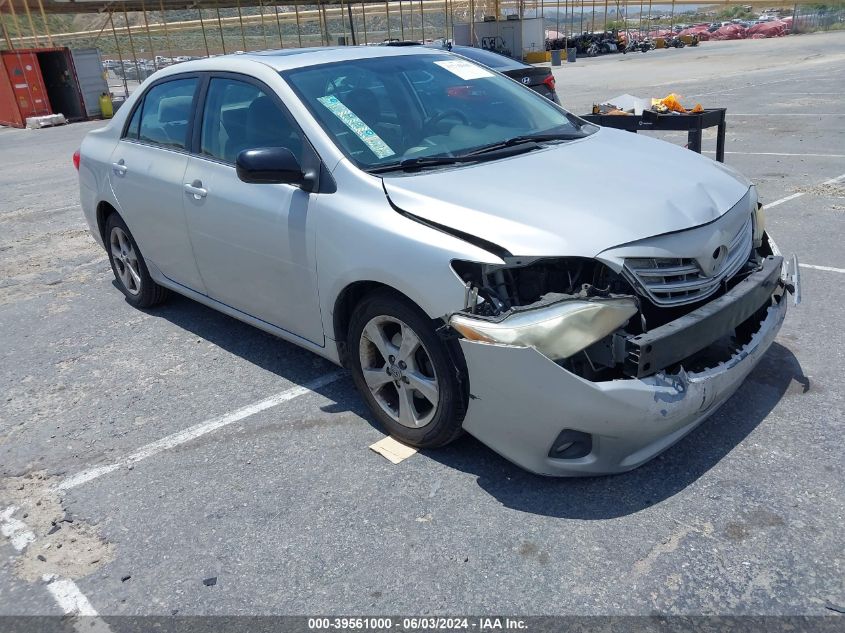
196,189
119,168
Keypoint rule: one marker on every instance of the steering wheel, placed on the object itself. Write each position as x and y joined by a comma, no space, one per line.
437,118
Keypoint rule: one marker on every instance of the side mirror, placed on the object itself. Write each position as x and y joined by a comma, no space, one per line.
269,165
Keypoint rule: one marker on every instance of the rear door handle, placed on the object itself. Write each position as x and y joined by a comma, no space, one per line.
119,167
196,189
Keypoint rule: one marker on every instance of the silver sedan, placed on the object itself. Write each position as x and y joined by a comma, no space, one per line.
481,260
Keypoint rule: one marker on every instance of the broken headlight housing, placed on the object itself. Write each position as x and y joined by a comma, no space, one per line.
557,331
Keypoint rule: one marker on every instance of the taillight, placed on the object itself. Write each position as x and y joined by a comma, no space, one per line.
550,82
76,160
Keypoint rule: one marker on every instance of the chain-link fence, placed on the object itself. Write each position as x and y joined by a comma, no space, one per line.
812,18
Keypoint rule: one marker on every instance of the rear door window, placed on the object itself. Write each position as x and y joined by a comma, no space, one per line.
163,116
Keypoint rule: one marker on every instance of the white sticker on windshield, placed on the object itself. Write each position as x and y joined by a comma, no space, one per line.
361,129
465,70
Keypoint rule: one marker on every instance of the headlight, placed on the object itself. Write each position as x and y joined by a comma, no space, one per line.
557,331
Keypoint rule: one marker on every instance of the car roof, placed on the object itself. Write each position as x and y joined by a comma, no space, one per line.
290,58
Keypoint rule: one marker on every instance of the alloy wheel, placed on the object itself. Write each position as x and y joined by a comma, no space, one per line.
125,260
398,371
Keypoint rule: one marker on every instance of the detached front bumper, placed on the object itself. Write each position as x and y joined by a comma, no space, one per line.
521,401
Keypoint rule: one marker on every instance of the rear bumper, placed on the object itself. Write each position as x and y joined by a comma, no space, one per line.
520,401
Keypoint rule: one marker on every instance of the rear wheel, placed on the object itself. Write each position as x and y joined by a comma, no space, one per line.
404,371
129,267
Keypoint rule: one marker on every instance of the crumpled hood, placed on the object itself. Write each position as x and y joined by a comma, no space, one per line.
574,199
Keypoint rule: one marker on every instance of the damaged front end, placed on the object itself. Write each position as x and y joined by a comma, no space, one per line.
575,368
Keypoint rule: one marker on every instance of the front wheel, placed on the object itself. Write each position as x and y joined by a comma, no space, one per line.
404,371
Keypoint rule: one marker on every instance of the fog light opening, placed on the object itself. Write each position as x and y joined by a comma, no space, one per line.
571,444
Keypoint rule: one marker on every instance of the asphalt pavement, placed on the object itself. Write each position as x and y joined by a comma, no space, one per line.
197,475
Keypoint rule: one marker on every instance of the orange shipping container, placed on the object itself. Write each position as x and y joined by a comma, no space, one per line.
22,91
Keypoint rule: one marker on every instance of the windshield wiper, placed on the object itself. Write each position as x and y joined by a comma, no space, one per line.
515,145
423,161
524,139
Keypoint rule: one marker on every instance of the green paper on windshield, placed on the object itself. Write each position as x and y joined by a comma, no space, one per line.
359,128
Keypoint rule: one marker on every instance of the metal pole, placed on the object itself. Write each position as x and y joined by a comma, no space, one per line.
625,23
351,24
640,27
15,19
279,24
472,22
298,29
672,18
131,44
320,22
102,28
565,29
31,24
263,30
220,26
166,32
119,57
46,24
364,19
387,13
326,22
401,21
149,37
241,21
204,38
604,28
542,15
557,18
581,20
422,22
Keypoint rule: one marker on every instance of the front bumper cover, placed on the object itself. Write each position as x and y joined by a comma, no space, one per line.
520,401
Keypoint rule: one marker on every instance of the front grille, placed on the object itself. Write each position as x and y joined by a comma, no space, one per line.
676,281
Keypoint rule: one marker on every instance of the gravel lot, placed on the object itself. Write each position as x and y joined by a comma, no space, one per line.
292,514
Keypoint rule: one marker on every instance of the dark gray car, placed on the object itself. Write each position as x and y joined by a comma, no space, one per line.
537,78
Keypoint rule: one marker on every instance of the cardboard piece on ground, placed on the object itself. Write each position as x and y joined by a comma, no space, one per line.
393,450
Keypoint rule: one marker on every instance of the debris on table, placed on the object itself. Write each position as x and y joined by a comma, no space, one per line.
629,104
672,103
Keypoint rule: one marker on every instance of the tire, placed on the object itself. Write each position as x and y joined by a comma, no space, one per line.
382,321
128,265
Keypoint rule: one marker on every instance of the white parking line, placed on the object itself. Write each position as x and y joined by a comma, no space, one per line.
829,269
197,430
64,591
832,181
745,87
16,531
68,596
782,200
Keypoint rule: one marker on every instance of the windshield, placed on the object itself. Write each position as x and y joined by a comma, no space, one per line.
387,110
